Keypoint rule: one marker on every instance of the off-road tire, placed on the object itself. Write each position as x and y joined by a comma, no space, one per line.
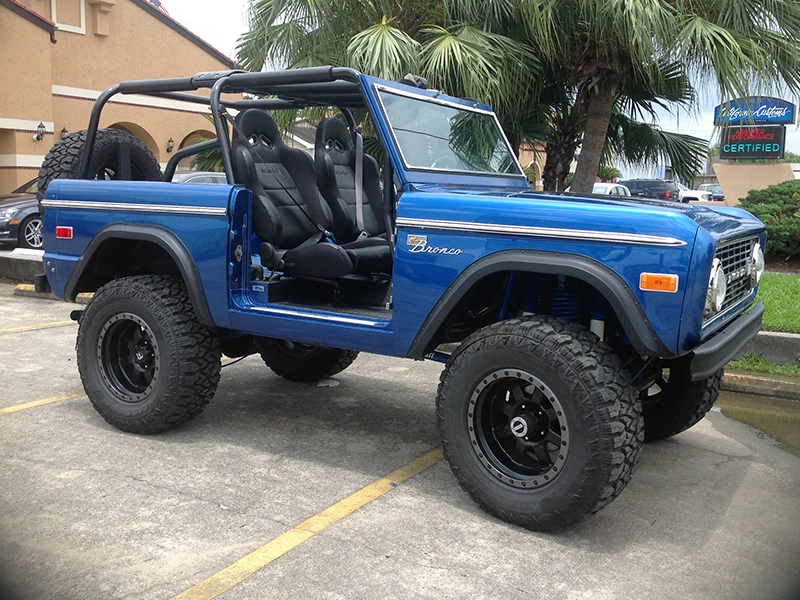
675,403
30,233
146,362
63,160
587,419
304,362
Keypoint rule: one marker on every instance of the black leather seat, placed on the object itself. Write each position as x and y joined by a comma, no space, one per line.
335,165
289,215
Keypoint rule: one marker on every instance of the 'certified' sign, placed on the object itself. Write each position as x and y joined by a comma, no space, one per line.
753,142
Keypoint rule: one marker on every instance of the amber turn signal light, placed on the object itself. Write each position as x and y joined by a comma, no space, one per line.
658,282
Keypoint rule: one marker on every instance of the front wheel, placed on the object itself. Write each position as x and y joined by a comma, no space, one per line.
146,363
672,402
538,422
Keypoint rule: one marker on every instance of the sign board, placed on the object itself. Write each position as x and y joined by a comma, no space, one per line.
755,111
768,141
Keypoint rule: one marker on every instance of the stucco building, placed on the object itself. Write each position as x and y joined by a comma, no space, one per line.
58,55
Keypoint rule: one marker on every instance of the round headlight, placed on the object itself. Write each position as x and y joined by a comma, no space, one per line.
717,287
757,262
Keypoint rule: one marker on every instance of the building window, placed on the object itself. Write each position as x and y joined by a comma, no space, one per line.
69,15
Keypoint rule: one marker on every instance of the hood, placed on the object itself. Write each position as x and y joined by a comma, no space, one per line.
19,199
591,212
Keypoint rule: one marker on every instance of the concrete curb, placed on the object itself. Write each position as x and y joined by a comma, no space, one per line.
777,347
21,264
761,386
28,290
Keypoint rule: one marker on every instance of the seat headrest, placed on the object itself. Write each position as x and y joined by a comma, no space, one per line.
334,139
260,130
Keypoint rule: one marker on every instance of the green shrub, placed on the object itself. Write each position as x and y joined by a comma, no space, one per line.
778,206
606,173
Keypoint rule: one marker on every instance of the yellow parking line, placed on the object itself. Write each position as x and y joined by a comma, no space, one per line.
246,566
35,403
39,326
19,407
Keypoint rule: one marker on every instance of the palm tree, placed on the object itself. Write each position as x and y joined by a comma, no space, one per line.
631,135
596,57
741,44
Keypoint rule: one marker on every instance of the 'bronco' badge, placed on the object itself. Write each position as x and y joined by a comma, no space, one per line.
419,243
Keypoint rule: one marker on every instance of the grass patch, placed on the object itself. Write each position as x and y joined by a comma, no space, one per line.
10,281
752,363
780,426
780,293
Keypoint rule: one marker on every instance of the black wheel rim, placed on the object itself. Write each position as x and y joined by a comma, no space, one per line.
518,429
33,233
129,357
654,386
294,349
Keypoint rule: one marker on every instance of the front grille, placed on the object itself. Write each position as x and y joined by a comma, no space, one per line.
736,261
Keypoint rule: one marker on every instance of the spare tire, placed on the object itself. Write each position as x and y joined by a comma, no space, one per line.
64,159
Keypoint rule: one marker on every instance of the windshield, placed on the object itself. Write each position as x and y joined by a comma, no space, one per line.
436,136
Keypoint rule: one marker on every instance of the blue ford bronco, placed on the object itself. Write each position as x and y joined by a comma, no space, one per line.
572,328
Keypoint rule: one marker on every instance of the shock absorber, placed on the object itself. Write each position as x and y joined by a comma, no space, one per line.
564,302
505,308
599,313
531,294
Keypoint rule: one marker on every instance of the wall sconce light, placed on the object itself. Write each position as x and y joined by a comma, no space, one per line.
170,145
64,132
40,131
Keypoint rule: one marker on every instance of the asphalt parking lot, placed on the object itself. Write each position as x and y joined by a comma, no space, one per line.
87,511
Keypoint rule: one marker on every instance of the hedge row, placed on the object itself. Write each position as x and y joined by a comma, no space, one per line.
778,206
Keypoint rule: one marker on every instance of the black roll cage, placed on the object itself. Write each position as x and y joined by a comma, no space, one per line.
291,89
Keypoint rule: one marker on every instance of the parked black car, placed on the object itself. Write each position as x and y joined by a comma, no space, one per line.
716,191
20,221
660,189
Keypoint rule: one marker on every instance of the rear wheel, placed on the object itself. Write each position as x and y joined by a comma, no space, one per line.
146,363
672,402
303,362
538,422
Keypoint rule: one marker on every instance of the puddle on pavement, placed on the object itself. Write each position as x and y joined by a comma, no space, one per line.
777,418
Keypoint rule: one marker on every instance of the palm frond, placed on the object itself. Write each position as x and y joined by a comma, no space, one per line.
640,144
384,51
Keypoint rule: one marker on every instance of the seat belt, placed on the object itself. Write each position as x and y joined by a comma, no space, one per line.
360,186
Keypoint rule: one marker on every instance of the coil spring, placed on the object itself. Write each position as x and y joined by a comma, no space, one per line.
565,303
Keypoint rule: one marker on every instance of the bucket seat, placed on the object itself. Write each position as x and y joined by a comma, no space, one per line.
289,216
335,162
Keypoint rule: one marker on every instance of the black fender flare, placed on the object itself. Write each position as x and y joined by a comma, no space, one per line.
606,280
162,237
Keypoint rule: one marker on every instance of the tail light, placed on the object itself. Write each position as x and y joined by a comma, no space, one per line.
64,233
666,195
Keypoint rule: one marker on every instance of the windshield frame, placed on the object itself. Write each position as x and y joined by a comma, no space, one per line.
461,106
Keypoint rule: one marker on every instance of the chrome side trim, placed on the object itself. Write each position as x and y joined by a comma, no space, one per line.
571,234
320,316
214,211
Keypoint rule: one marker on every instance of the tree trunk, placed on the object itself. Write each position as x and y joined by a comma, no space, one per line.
556,166
598,115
